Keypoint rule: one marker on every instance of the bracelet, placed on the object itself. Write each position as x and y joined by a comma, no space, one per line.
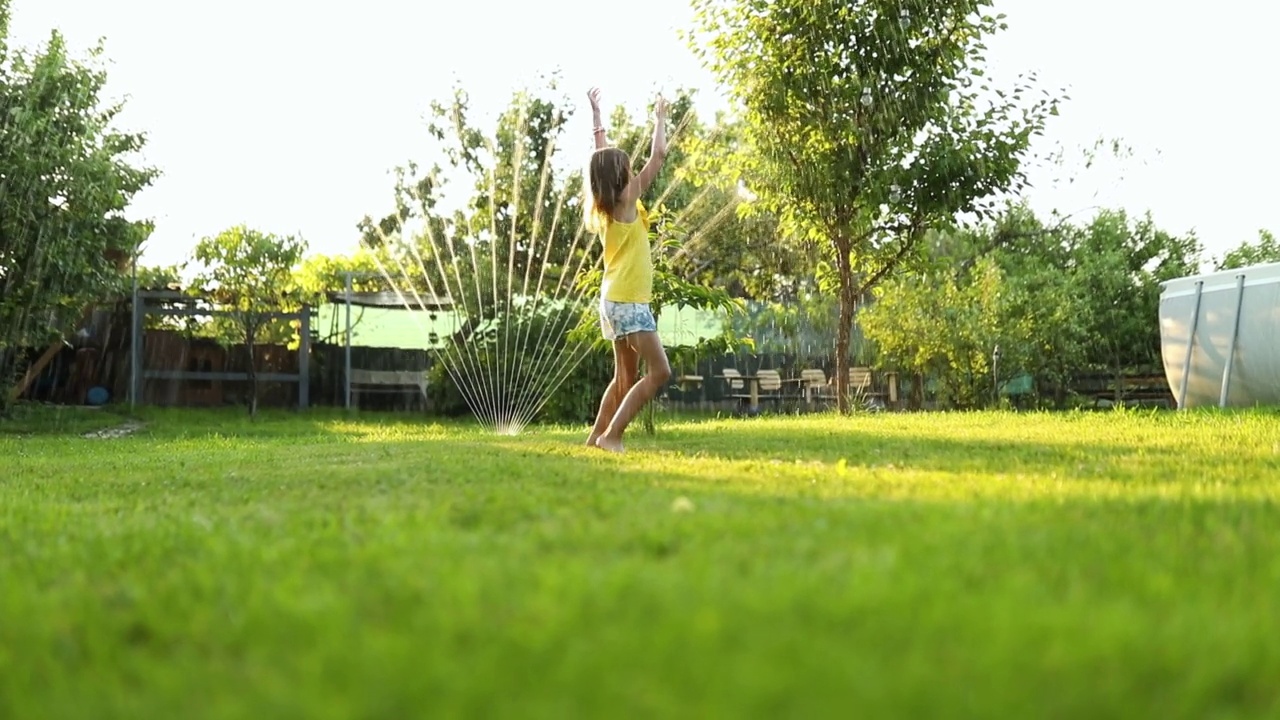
597,129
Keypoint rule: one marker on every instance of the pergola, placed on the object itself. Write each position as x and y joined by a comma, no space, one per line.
383,300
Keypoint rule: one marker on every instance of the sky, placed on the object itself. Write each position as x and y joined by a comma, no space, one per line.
290,118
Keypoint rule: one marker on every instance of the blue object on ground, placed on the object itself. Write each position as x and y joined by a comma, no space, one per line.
98,395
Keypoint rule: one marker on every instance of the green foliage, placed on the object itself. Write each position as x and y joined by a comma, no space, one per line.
250,274
523,360
1265,250
948,326
1056,299
68,177
319,275
804,326
1119,265
163,277
863,126
518,232
724,245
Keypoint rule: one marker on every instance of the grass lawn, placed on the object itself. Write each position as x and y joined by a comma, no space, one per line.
971,565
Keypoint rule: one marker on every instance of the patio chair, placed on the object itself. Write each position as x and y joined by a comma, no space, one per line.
771,386
814,387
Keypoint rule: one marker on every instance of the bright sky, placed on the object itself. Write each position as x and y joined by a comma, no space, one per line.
289,118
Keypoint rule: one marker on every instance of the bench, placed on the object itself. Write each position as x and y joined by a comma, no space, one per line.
1138,389
384,382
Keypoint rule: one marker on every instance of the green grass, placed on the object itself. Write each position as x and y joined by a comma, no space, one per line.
968,565
30,419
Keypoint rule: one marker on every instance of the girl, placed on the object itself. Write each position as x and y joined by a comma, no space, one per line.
617,215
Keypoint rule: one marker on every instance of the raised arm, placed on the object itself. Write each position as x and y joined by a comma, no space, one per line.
657,154
597,124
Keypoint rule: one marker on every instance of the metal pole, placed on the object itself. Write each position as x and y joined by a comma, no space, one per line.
133,323
135,340
346,376
1191,344
1231,348
995,376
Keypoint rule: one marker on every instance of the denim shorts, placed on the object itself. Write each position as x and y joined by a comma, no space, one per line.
618,320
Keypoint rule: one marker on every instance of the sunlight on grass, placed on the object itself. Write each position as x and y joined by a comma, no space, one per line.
1004,564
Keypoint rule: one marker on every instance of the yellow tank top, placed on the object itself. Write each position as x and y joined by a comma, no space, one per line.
628,268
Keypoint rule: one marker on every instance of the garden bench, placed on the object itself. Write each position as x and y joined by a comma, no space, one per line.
396,382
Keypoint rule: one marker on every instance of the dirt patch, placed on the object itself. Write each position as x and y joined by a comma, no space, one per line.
118,431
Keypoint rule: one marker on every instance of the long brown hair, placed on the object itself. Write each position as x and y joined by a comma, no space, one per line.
609,173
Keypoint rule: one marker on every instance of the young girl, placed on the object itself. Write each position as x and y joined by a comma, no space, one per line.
617,215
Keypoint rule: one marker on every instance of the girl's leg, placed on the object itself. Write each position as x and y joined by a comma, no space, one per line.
657,373
626,366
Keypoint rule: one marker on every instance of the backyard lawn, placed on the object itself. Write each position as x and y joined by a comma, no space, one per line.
1090,565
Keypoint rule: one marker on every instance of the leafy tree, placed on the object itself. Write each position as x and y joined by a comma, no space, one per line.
511,251
794,327
1064,299
323,274
1265,250
156,277
1119,266
862,125
66,180
250,274
724,247
518,232
517,249
946,322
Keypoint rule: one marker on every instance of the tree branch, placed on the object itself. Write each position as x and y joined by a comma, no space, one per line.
909,242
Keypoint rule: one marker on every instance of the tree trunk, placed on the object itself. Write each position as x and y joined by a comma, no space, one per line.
8,373
250,337
848,303
1119,378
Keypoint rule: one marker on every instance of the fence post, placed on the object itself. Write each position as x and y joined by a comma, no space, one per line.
304,358
346,375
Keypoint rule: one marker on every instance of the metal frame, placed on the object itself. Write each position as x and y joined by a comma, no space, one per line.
348,300
1191,344
140,374
1231,348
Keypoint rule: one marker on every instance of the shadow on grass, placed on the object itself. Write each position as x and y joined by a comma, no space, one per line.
33,419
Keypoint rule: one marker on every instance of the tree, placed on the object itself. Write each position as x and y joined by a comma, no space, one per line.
1266,250
250,274
515,254
862,126
518,228
723,246
66,179
1119,266
1057,298
972,295
320,275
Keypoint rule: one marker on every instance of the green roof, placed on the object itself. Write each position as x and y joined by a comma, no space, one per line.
412,329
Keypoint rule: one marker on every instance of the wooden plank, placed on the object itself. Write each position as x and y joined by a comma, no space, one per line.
224,376
36,368
47,357
389,377
189,312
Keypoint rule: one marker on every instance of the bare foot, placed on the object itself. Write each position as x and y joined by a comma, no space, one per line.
591,440
604,442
